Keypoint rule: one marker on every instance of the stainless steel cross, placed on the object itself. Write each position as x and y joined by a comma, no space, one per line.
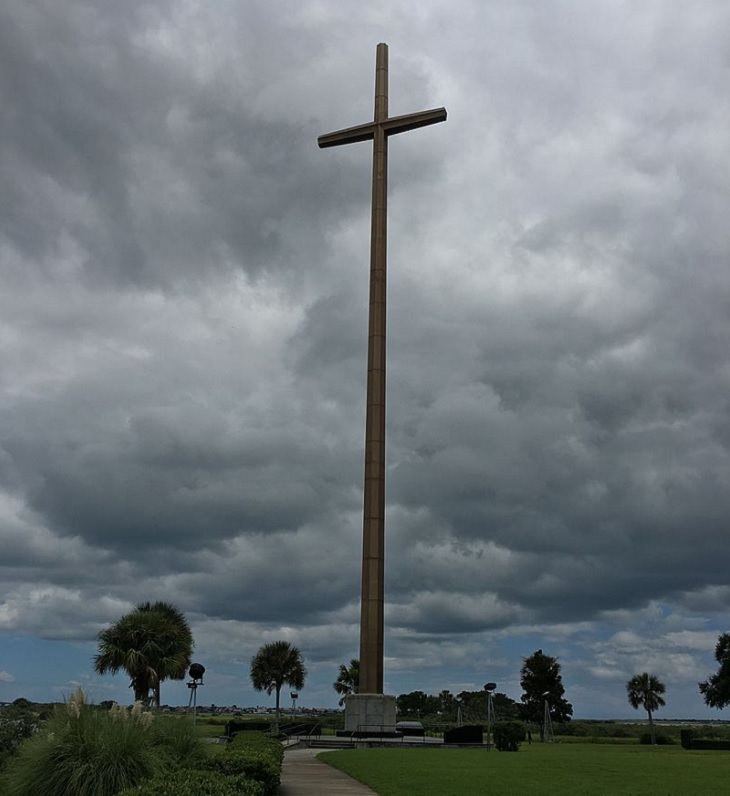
371,610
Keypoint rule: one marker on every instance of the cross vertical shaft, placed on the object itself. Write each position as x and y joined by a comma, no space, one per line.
373,558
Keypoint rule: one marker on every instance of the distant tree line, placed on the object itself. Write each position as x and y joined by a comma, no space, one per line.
154,643
542,687
543,697
445,706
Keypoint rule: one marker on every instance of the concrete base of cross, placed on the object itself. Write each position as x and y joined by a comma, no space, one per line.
370,713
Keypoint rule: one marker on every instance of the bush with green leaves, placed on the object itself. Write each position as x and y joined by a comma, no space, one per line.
253,754
187,782
712,731
508,735
690,740
17,723
710,743
661,740
177,742
85,752
595,729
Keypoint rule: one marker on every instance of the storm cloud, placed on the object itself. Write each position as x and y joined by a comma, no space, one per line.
183,327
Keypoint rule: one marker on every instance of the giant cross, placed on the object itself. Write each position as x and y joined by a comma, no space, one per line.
371,607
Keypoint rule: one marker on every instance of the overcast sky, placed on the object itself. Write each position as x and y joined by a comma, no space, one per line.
183,322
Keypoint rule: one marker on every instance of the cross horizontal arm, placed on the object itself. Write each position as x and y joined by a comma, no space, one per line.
397,124
350,135
411,121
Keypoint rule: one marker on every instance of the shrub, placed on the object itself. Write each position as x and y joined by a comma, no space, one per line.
16,724
177,742
689,741
595,729
705,731
235,726
577,729
85,752
253,754
710,743
196,783
661,740
467,733
508,735
257,740
621,732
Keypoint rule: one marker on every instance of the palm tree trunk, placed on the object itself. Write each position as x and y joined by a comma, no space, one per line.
276,721
651,728
140,690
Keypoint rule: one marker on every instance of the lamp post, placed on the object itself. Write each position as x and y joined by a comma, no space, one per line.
547,722
489,688
196,672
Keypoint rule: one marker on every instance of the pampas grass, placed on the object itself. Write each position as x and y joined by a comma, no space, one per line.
85,751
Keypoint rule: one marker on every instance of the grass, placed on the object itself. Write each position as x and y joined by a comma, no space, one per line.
84,751
540,769
206,730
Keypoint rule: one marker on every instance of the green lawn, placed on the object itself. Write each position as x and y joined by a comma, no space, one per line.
590,769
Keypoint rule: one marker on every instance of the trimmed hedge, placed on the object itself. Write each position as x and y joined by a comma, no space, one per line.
196,783
661,740
252,754
250,766
690,742
710,743
468,733
233,727
508,735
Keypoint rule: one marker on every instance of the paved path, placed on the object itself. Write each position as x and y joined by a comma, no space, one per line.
303,775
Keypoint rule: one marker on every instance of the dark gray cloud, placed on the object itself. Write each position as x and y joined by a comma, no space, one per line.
184,319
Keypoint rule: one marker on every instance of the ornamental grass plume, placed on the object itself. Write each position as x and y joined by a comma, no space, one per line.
83,751
75,702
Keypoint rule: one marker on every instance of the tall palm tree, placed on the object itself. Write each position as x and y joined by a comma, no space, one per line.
645,690
152,643
275,664
348,680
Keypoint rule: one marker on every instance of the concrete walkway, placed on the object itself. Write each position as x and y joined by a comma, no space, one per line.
303,775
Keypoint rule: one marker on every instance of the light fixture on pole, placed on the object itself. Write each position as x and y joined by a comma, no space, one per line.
490,688
547,722
196,672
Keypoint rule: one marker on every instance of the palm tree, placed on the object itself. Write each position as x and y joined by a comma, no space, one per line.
645,690
152,643
348,680
275,664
